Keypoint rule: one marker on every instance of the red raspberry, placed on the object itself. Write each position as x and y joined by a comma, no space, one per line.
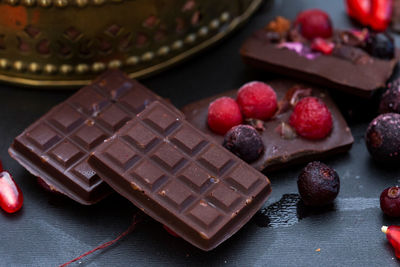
314,23
223,114
257,100
311,118
322,45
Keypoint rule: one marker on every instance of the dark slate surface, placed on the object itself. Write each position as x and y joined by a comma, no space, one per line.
51,230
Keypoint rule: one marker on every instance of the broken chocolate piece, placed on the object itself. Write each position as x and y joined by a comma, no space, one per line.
349,68
180,176
282,148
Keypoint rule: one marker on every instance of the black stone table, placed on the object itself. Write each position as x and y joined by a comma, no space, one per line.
51,230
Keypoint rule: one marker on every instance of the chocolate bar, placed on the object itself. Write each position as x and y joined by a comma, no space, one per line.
180,176
56,147
280,150
348,69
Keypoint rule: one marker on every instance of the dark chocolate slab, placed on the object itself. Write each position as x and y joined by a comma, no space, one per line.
56,147
180,176
280,152
356,78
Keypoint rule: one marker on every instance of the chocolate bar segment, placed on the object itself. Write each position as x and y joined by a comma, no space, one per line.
56,147
360,78
180,176
281,151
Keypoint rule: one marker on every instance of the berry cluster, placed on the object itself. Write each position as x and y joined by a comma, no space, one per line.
257,101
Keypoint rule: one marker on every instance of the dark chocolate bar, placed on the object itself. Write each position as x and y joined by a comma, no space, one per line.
281,151
180,176
353,71
56,147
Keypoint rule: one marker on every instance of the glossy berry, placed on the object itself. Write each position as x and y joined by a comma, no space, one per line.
390,201
257,100
322,45
245,142
311,118
318,184
380,45
223,114
11,198
314,23
390,100
383,138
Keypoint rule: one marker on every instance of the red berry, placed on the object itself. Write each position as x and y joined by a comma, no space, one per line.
322,45
257,100
170,231
11,198
381,13
1,166
311,118
223,114
314,23
359,10
390,201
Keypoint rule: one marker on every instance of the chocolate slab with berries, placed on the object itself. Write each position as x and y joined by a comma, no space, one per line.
282,147
348,67
55,148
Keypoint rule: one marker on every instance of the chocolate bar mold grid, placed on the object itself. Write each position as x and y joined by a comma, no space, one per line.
66,135
161,155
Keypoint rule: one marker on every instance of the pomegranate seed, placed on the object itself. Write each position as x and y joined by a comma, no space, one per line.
322,45
11,198
373,13
393,235
359,10
381,13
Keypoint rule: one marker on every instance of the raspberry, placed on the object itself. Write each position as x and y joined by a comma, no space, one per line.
322,45
314,23
257,100
311,118
223,114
